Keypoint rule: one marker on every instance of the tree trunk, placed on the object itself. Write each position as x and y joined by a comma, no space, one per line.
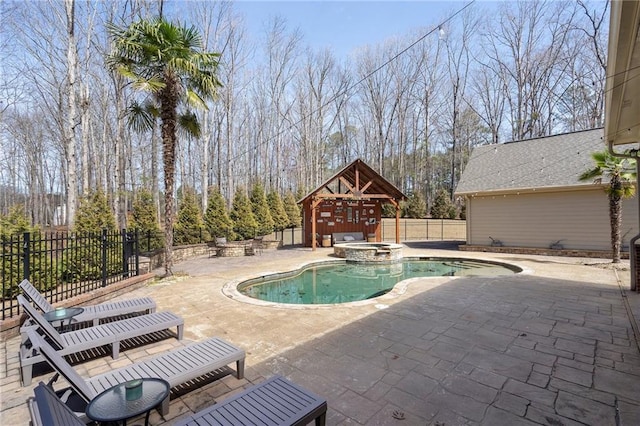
169,103
615,214
70,140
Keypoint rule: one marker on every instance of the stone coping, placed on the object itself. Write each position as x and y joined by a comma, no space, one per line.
368,252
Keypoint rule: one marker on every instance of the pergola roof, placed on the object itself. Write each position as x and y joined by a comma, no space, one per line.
356,181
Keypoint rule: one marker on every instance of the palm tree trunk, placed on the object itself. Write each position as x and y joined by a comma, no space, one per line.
168,98
615,214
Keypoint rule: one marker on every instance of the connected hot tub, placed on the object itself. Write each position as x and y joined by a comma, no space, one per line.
369,252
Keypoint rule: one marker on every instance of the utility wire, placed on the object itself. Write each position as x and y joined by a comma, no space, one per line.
352,86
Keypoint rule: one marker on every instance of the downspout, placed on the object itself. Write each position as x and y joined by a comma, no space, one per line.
632,243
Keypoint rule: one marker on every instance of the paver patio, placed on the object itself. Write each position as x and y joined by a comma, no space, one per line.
554,345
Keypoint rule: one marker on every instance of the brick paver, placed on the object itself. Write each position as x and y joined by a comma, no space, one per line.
553,345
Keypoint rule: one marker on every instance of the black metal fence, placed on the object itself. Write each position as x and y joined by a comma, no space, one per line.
62,265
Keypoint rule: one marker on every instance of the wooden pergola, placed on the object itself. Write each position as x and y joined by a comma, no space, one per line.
349,201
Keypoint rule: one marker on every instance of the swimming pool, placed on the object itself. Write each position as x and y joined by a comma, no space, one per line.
342,282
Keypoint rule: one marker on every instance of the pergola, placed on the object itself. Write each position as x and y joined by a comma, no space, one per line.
349,201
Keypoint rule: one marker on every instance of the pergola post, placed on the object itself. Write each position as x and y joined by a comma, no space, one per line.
397,206
314,204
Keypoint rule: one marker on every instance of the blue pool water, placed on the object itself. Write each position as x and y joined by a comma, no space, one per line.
349,282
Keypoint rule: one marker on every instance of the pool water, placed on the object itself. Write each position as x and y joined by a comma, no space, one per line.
350,282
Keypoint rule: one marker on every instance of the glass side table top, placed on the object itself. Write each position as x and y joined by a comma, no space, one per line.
119,403
61,314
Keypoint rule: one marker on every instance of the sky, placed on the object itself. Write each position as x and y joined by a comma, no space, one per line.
347,25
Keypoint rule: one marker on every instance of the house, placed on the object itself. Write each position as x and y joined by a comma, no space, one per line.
527,195
622,87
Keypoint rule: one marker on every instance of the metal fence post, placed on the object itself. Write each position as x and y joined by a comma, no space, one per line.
137,251
125,252
104,257
26,256
441,229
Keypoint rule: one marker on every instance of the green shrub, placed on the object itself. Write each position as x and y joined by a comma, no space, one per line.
244,224
293,210
453,212
278,213
12,230
441,205
260,209
144,219
216,218
83,258
415,207
388,210
189,227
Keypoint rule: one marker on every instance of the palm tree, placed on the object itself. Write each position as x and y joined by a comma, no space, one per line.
167,61
621,173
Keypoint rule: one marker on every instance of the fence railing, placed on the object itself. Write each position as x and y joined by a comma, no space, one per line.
62,265
425,229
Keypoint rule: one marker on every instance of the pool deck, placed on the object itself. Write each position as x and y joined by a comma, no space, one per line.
554,345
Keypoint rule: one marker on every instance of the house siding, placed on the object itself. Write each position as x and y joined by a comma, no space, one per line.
580,219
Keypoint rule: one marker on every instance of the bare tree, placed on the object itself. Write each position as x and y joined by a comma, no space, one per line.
72,120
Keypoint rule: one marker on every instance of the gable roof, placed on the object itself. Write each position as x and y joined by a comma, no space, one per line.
549,162
357,181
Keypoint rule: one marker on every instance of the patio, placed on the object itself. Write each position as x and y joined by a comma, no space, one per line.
554,345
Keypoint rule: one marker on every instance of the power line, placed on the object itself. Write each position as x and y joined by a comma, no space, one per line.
352,86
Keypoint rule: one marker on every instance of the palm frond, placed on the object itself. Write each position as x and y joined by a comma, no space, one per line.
189,124
141,117
195,100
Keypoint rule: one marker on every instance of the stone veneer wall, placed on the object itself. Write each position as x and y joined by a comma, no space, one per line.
363,253
542,251
155,259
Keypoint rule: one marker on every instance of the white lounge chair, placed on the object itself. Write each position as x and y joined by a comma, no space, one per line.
177,366
47,409
93,313
111,333
274,402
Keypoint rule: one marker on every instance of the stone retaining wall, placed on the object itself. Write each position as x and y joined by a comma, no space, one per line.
542,251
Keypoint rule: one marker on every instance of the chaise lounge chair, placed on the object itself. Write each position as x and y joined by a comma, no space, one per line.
93,313
111,333
274,402
177,366
46,409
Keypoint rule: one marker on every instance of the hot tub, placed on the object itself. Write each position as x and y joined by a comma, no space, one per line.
369,252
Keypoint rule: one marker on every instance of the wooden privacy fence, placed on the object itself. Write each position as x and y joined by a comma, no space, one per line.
410,230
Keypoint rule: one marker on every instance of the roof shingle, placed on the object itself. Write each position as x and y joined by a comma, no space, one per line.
552,161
